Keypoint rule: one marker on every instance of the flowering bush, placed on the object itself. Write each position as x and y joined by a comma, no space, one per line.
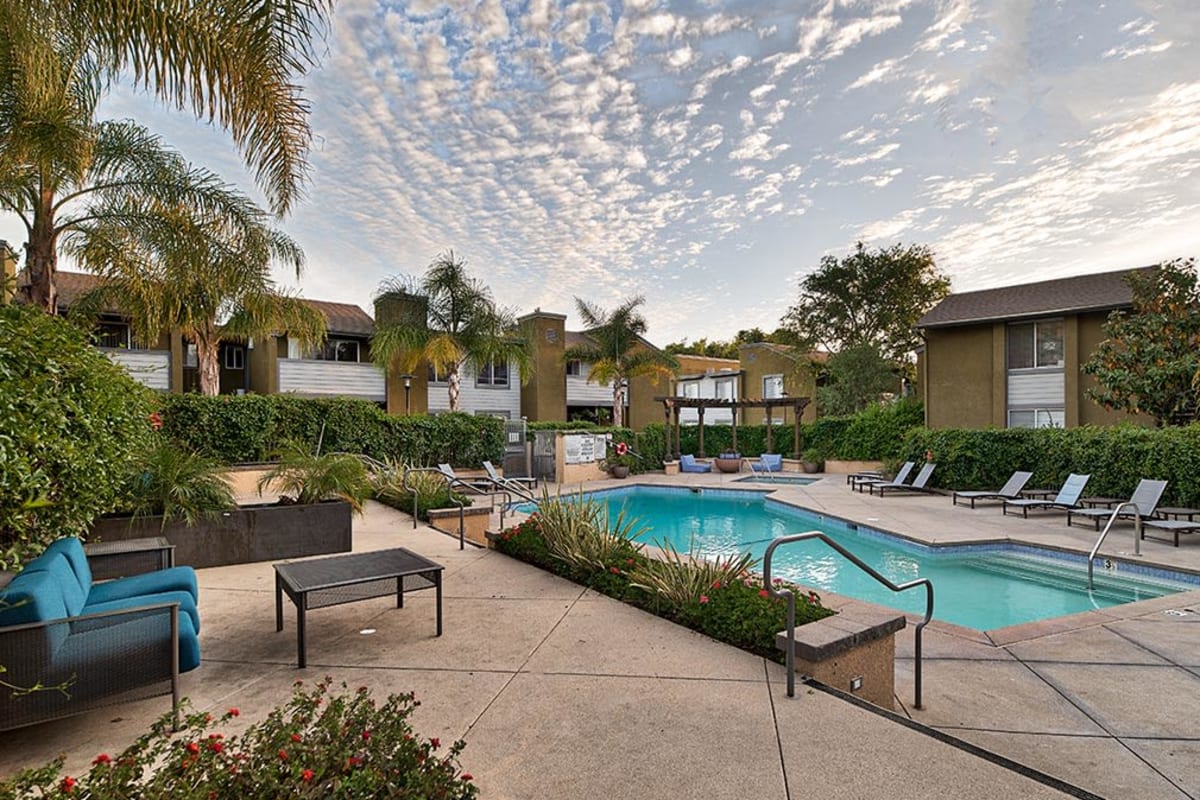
318,745
733,607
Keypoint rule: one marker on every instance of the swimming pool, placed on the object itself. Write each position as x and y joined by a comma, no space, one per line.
792,480
978,586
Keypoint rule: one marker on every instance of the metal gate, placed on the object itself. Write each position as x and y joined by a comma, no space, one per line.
543,456
516,453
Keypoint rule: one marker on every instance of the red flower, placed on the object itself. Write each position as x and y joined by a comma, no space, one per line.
103,758
68,784
703,598
156,421
353,761
466,776
307,775
614,570
763,593
716,584
193,748
283,755
233,712
629,561
366,735
216,747
295,737
435,742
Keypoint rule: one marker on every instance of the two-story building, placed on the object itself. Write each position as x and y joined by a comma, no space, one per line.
711,378
1011,357
771,371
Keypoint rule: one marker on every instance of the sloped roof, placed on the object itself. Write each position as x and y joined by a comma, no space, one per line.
344,318
1097,292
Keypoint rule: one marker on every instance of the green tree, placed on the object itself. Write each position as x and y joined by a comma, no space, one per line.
236,65
616,351
703,347
205,275
463,326
856,377
1149,361
62,170
869,297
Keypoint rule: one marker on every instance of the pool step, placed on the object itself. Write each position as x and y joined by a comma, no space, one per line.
1051,573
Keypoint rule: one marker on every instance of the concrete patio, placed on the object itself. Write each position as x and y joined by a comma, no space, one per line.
560,692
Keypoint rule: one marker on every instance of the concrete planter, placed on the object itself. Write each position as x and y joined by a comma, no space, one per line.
836,467
245,535
619,471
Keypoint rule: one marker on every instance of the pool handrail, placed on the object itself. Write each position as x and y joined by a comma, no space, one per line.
1137,535
451,483
786,594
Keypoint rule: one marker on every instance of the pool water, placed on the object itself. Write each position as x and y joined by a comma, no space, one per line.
978,586
792,480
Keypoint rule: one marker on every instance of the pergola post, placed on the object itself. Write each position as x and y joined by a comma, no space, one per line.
770,436
700,421
677,443
667,429
735,410
797,411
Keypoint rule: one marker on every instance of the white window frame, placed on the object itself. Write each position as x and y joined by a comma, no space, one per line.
1036,326
773,380
575,368
485,378
236,354
1042,417
719,386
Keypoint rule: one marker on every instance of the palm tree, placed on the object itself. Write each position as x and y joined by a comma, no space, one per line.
616,350
236,65
205,275
464,326
60,169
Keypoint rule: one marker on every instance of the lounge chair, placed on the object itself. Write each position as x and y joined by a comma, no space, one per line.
1009,491
1171,526
1067,497
1145,497
516,484
918,484
477,484
767,463
688,463
901,476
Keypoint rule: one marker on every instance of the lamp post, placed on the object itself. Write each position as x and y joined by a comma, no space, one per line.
407,389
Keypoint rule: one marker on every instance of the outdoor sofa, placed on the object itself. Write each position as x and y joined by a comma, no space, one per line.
688,463
80,646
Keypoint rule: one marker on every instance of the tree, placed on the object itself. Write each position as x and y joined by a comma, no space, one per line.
205,275
856,377
616,350
1149,361
869,297
61,169
235,65
464,326
703,347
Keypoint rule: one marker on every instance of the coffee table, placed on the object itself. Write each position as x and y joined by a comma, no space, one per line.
332,581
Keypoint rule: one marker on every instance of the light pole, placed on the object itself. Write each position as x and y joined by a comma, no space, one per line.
407,389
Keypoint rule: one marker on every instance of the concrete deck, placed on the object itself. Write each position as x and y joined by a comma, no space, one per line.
561,692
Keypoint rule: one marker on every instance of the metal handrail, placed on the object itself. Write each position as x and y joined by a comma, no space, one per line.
452,482
1137,535
786,594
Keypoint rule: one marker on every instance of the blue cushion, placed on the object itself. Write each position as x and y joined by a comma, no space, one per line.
768,462
187,604
93,650
72,549
36,597
74,597
175,579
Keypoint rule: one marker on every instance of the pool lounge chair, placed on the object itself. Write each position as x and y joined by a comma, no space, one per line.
901,476
1011,490
1145,497
516,484
1171,526
767,464
478,484
688,463
1067,497
918,484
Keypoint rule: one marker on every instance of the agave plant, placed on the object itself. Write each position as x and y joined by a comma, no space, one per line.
179,485
310,478
682,578
430,488
581,532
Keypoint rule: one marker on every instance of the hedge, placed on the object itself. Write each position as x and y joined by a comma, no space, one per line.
250,428
1115,457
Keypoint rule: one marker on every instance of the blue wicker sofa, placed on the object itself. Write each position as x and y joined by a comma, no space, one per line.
82,645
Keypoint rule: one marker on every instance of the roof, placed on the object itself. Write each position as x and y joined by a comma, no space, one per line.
344,317
1101,291
71,285
787,350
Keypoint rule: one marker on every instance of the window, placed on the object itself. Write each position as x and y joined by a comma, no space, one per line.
575,368
112,334
1036,345
438,376
235,357
772,387
725,389
190,360
339,350
492,374
1036,418
690,389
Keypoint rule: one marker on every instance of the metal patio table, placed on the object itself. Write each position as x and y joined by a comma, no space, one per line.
335,580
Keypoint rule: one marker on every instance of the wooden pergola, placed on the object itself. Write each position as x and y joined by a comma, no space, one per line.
674,404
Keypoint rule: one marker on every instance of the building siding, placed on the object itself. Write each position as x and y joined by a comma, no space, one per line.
479,399
148,367
331,379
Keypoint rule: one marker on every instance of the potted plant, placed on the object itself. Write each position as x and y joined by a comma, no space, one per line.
812,460
618,464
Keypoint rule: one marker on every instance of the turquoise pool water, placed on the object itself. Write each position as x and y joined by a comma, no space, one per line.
978,586
793,480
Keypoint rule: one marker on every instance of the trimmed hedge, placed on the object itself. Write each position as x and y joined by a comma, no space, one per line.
1116,457
242,429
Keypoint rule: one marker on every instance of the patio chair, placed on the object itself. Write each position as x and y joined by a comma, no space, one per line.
1170,526
1067,497
517,484
1145,497
918,484
1011,490
688,463
767,464
479,485
901,476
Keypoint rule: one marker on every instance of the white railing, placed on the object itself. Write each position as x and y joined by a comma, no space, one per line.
331,379
149,367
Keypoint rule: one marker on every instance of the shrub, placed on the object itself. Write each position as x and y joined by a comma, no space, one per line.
304,477
580,532
73,425
321,744
177,485
430,489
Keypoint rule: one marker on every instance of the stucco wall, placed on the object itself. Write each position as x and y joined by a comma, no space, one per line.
959,376
798,381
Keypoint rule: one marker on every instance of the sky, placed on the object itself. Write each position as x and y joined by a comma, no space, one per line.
708,154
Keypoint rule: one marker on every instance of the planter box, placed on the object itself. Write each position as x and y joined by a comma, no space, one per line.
834,467
245,535
475,522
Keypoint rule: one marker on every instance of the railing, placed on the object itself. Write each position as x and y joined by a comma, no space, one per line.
453,482
1137,535
786,594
